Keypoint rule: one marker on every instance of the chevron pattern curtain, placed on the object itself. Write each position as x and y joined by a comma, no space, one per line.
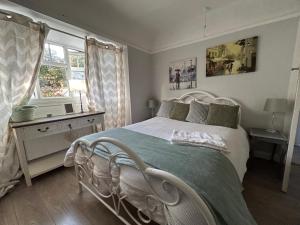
21,47
107,82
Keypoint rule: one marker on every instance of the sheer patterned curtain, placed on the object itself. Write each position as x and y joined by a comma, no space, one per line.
21,47
107,82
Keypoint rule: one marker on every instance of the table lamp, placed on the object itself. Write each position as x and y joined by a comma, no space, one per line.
275,105
78,85
151,103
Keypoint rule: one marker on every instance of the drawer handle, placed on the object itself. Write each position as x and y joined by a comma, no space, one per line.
45,130
91,120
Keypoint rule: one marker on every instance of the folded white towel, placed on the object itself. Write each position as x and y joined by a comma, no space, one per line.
197,138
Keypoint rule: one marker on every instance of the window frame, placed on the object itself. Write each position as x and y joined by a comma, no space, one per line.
40,100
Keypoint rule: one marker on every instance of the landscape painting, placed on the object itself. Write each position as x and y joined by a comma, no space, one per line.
183,74
232,58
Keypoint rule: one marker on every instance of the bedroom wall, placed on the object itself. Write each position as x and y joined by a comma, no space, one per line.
140,78
274,59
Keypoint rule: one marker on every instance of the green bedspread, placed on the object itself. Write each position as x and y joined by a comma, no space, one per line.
207,171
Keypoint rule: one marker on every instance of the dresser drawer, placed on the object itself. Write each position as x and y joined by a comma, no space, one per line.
41,130
82,122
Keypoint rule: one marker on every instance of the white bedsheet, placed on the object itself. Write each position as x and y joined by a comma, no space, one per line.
236,139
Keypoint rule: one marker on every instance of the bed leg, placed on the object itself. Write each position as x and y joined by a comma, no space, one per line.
78,179
79,188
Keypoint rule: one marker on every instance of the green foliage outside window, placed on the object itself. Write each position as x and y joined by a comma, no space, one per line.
53,82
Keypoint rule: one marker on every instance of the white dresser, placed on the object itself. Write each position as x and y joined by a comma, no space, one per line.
41,132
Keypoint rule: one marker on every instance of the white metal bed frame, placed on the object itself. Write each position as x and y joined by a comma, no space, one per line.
180,203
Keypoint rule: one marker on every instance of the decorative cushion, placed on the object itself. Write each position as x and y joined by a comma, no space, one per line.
198,112
180,111
223,115
165,108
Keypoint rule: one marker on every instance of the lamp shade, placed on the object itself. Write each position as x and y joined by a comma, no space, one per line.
278,105
77,85
151,103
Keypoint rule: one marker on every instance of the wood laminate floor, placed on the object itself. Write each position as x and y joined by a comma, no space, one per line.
296,156
53,200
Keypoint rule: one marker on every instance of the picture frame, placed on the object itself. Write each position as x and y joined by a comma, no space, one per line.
183,74
69,108
232,58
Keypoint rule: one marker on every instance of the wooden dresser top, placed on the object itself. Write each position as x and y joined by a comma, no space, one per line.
53,119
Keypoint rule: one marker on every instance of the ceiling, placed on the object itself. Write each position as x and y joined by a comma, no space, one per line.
156,25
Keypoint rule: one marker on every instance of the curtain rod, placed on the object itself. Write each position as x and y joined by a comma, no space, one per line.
9,15
64,32
107,45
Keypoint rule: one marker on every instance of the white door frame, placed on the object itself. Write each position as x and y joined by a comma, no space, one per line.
293,96
292,139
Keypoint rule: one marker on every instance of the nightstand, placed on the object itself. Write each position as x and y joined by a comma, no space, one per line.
277,139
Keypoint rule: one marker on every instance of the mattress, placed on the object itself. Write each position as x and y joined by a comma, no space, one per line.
236,139
132,181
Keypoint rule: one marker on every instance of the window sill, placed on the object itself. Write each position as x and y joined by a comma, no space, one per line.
55,106
55,101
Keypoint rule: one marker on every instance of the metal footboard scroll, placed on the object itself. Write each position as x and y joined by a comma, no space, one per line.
157,196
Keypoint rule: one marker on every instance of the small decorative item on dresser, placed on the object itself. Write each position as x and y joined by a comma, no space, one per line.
275,105
80,86
23,113
151,103
69,108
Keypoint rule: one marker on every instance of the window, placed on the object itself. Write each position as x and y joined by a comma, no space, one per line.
54,54
60,66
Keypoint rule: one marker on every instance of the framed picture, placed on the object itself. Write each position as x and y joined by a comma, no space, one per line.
69,108
183,74
232,58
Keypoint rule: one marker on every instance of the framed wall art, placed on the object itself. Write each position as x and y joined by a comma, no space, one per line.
183,74
232,58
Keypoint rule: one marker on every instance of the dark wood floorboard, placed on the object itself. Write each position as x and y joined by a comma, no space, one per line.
264,198
29,207
59,202
7,212
53,200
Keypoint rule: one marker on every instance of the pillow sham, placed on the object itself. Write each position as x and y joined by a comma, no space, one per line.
180,111
198,112
223,115
165,108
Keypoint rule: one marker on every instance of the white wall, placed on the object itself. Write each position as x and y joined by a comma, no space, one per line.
141,82
274,60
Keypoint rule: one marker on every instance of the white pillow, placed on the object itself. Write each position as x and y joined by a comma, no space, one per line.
165,108
198,112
